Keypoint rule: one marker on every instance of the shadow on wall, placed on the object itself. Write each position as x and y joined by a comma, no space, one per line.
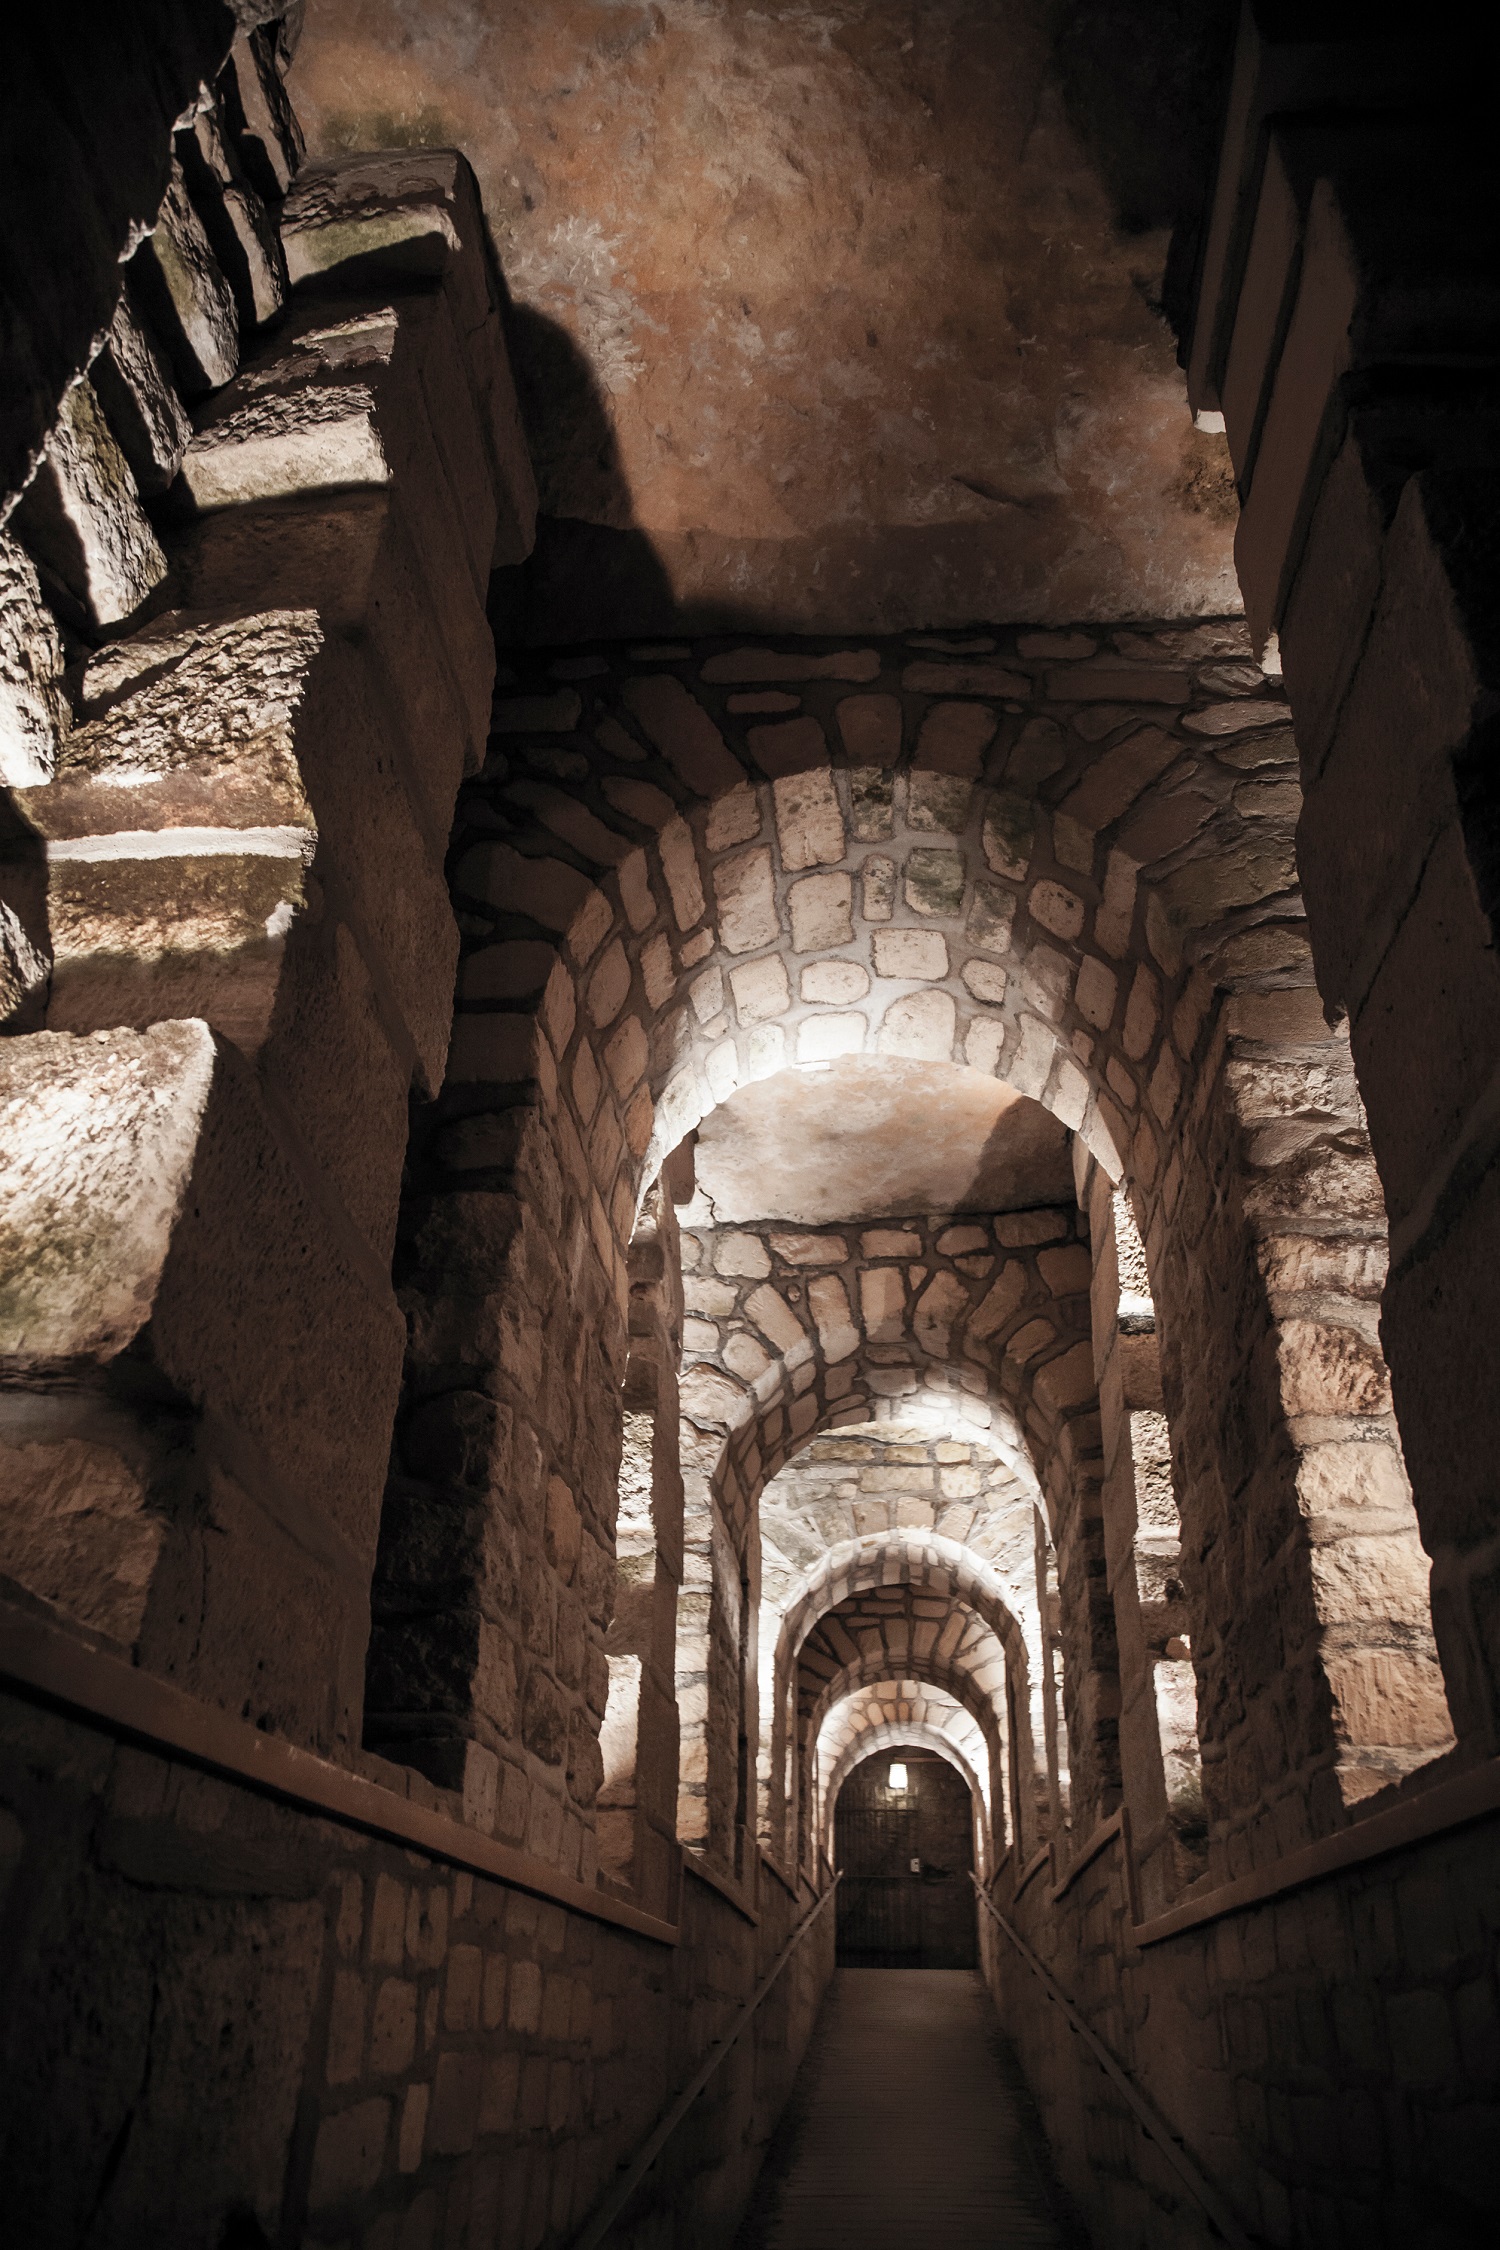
603,560
1144,83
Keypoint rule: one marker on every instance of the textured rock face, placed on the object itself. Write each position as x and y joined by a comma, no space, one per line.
832,307
858,1139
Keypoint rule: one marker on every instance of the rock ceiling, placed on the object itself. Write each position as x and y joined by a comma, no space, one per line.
830,317
879,1139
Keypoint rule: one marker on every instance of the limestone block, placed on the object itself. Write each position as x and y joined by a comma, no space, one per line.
190,297
921,1026
348,404
138,395
911,953
242,231
352,558
821,914
954,738
684,734
744,890
376,222
870,728
792,746
33,709
260,117
834,983
82,518
1117,777
141,1177
213,760
809,824
743,664
964,679
24,969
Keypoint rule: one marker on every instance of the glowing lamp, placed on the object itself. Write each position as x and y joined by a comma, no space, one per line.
898,1779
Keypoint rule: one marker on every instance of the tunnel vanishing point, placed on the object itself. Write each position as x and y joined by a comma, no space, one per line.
749,1126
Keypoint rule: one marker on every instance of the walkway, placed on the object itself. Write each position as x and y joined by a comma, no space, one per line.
909,2126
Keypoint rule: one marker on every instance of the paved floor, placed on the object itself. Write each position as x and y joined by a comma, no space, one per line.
909,2126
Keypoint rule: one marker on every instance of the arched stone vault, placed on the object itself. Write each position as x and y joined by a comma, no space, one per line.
874,1676
896,1632
899,1714
1067,864
958,1598
811,1325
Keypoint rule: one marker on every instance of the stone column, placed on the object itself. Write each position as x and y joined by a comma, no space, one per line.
637,1827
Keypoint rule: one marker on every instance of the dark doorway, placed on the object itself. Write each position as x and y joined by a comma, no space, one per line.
906,1901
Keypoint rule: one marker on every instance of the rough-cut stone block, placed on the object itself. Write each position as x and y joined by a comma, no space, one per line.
684,734
353,560
1118,775
189,296
245,238
954,738
834,983
760,989
33,709
964,679
216,758
821,910
1105,680
870,728
373,399
745,664
150,1211
910,953
793,746
372,223
922,1026
745,894
262,120
934,881
809,824
135,388
82,518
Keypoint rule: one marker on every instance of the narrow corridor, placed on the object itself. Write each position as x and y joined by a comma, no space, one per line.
909,2125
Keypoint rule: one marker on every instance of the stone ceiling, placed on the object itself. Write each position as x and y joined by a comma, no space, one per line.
865,1138
836,316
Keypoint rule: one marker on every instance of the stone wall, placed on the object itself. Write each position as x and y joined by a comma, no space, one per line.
1328,2059
230,2021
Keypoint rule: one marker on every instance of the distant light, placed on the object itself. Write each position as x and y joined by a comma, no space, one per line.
898,1779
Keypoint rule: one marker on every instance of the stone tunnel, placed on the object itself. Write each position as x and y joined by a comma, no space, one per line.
748,1118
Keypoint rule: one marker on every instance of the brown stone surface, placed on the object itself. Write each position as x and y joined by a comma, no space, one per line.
836,311
836,1142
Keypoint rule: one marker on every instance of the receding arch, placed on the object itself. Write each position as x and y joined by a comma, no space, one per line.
865,1725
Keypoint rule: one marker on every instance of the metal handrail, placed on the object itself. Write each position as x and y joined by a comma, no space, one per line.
624,2188
1150,2119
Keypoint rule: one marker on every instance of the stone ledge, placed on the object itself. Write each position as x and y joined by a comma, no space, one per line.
692,1864
41,1659
1448,1804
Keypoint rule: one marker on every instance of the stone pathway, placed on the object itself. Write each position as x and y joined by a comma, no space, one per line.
908,2127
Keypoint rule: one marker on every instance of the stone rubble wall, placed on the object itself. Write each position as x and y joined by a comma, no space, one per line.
797,1330
893,1504
1061,859
890,1716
